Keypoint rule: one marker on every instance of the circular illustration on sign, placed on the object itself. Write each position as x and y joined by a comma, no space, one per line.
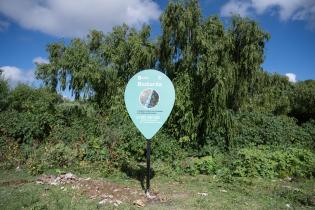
149,98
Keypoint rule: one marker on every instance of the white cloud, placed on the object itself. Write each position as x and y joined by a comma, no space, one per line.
291,76
40,60
16,75
286,9
236,7
76,17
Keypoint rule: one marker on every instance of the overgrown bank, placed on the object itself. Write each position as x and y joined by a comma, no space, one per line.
231,118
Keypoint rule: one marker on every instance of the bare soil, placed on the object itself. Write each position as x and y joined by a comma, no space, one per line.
103,191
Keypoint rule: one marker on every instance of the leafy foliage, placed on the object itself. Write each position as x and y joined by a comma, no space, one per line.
230,116
267,129
265,162
304,100
4,92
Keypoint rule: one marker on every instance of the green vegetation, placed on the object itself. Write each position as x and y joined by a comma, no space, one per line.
198,192
231,119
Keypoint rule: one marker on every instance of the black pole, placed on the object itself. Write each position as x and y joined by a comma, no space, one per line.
148,166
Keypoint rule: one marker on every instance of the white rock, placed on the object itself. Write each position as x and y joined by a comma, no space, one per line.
139,203
69,176
103,201
118,202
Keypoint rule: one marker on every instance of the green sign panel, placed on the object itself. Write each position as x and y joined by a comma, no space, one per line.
149,98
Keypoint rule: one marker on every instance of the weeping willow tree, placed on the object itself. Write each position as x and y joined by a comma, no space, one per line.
270,93
95,67
178,57
214,68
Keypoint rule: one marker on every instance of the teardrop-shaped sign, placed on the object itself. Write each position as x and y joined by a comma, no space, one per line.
149,98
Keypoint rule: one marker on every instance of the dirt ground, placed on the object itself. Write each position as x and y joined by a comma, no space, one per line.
107,193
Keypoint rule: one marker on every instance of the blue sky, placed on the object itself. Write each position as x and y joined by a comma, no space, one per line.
27,26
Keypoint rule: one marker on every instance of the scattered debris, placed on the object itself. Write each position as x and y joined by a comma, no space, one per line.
107,196
139,203
103,201
289,179
288,206
292,188
107,193
147,195
203,194
67,178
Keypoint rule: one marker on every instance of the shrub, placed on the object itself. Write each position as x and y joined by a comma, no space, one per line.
30,114
309,127
49,156
34,164
4,93
59,155
252,162
264,162
95,149
298,196
205,165
295,162
25,127
10,153
166,148
267,129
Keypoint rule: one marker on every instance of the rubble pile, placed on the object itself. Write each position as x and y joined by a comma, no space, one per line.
106,193
67,178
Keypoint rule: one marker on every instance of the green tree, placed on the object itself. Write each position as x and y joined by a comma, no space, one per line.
4,92
247,55
95,66
52,72
303,101
271,93
213,69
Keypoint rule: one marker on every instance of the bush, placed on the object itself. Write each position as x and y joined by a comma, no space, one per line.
250,162
264,162
49,156
25,127
4,93
30,114
96,149
266,129
166,148
10,153
309,127
298,196
205,165
295,162
59,155
34,163
27,99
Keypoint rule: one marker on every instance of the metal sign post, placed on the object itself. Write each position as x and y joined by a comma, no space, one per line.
147,191
149,99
